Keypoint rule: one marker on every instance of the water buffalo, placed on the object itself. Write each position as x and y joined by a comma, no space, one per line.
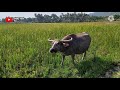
71,45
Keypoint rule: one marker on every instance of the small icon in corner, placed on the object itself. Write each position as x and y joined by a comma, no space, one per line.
111,18
9,19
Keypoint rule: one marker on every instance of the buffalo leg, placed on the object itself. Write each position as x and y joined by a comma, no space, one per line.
84,54
63,57
73,58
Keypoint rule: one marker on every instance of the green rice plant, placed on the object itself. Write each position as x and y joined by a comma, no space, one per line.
24,50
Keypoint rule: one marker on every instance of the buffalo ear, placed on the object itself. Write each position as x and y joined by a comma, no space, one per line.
65,44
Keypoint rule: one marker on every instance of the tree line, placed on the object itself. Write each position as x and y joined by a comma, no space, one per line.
69,17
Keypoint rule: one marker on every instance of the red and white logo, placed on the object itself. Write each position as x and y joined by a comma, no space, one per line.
9,19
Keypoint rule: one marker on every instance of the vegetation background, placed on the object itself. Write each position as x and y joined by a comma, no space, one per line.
24,49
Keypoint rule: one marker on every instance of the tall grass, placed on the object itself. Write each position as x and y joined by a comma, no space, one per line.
24,50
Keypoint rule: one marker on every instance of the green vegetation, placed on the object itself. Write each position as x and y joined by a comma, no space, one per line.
116,75
24,50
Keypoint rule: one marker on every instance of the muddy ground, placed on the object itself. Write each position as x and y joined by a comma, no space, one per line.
111,71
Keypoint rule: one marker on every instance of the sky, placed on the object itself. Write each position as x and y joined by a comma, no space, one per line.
30,14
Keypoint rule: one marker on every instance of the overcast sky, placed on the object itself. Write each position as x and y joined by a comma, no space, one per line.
29,14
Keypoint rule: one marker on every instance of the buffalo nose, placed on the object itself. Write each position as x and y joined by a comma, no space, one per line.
51,50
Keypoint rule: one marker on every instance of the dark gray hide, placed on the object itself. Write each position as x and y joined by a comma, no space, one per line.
71,44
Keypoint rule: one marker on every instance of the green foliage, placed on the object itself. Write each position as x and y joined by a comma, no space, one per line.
116,75
24,50
117,17
69,17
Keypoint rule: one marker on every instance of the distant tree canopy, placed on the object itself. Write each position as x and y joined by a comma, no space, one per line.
116,17
69,17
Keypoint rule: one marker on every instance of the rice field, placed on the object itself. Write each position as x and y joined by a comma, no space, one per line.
24,50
